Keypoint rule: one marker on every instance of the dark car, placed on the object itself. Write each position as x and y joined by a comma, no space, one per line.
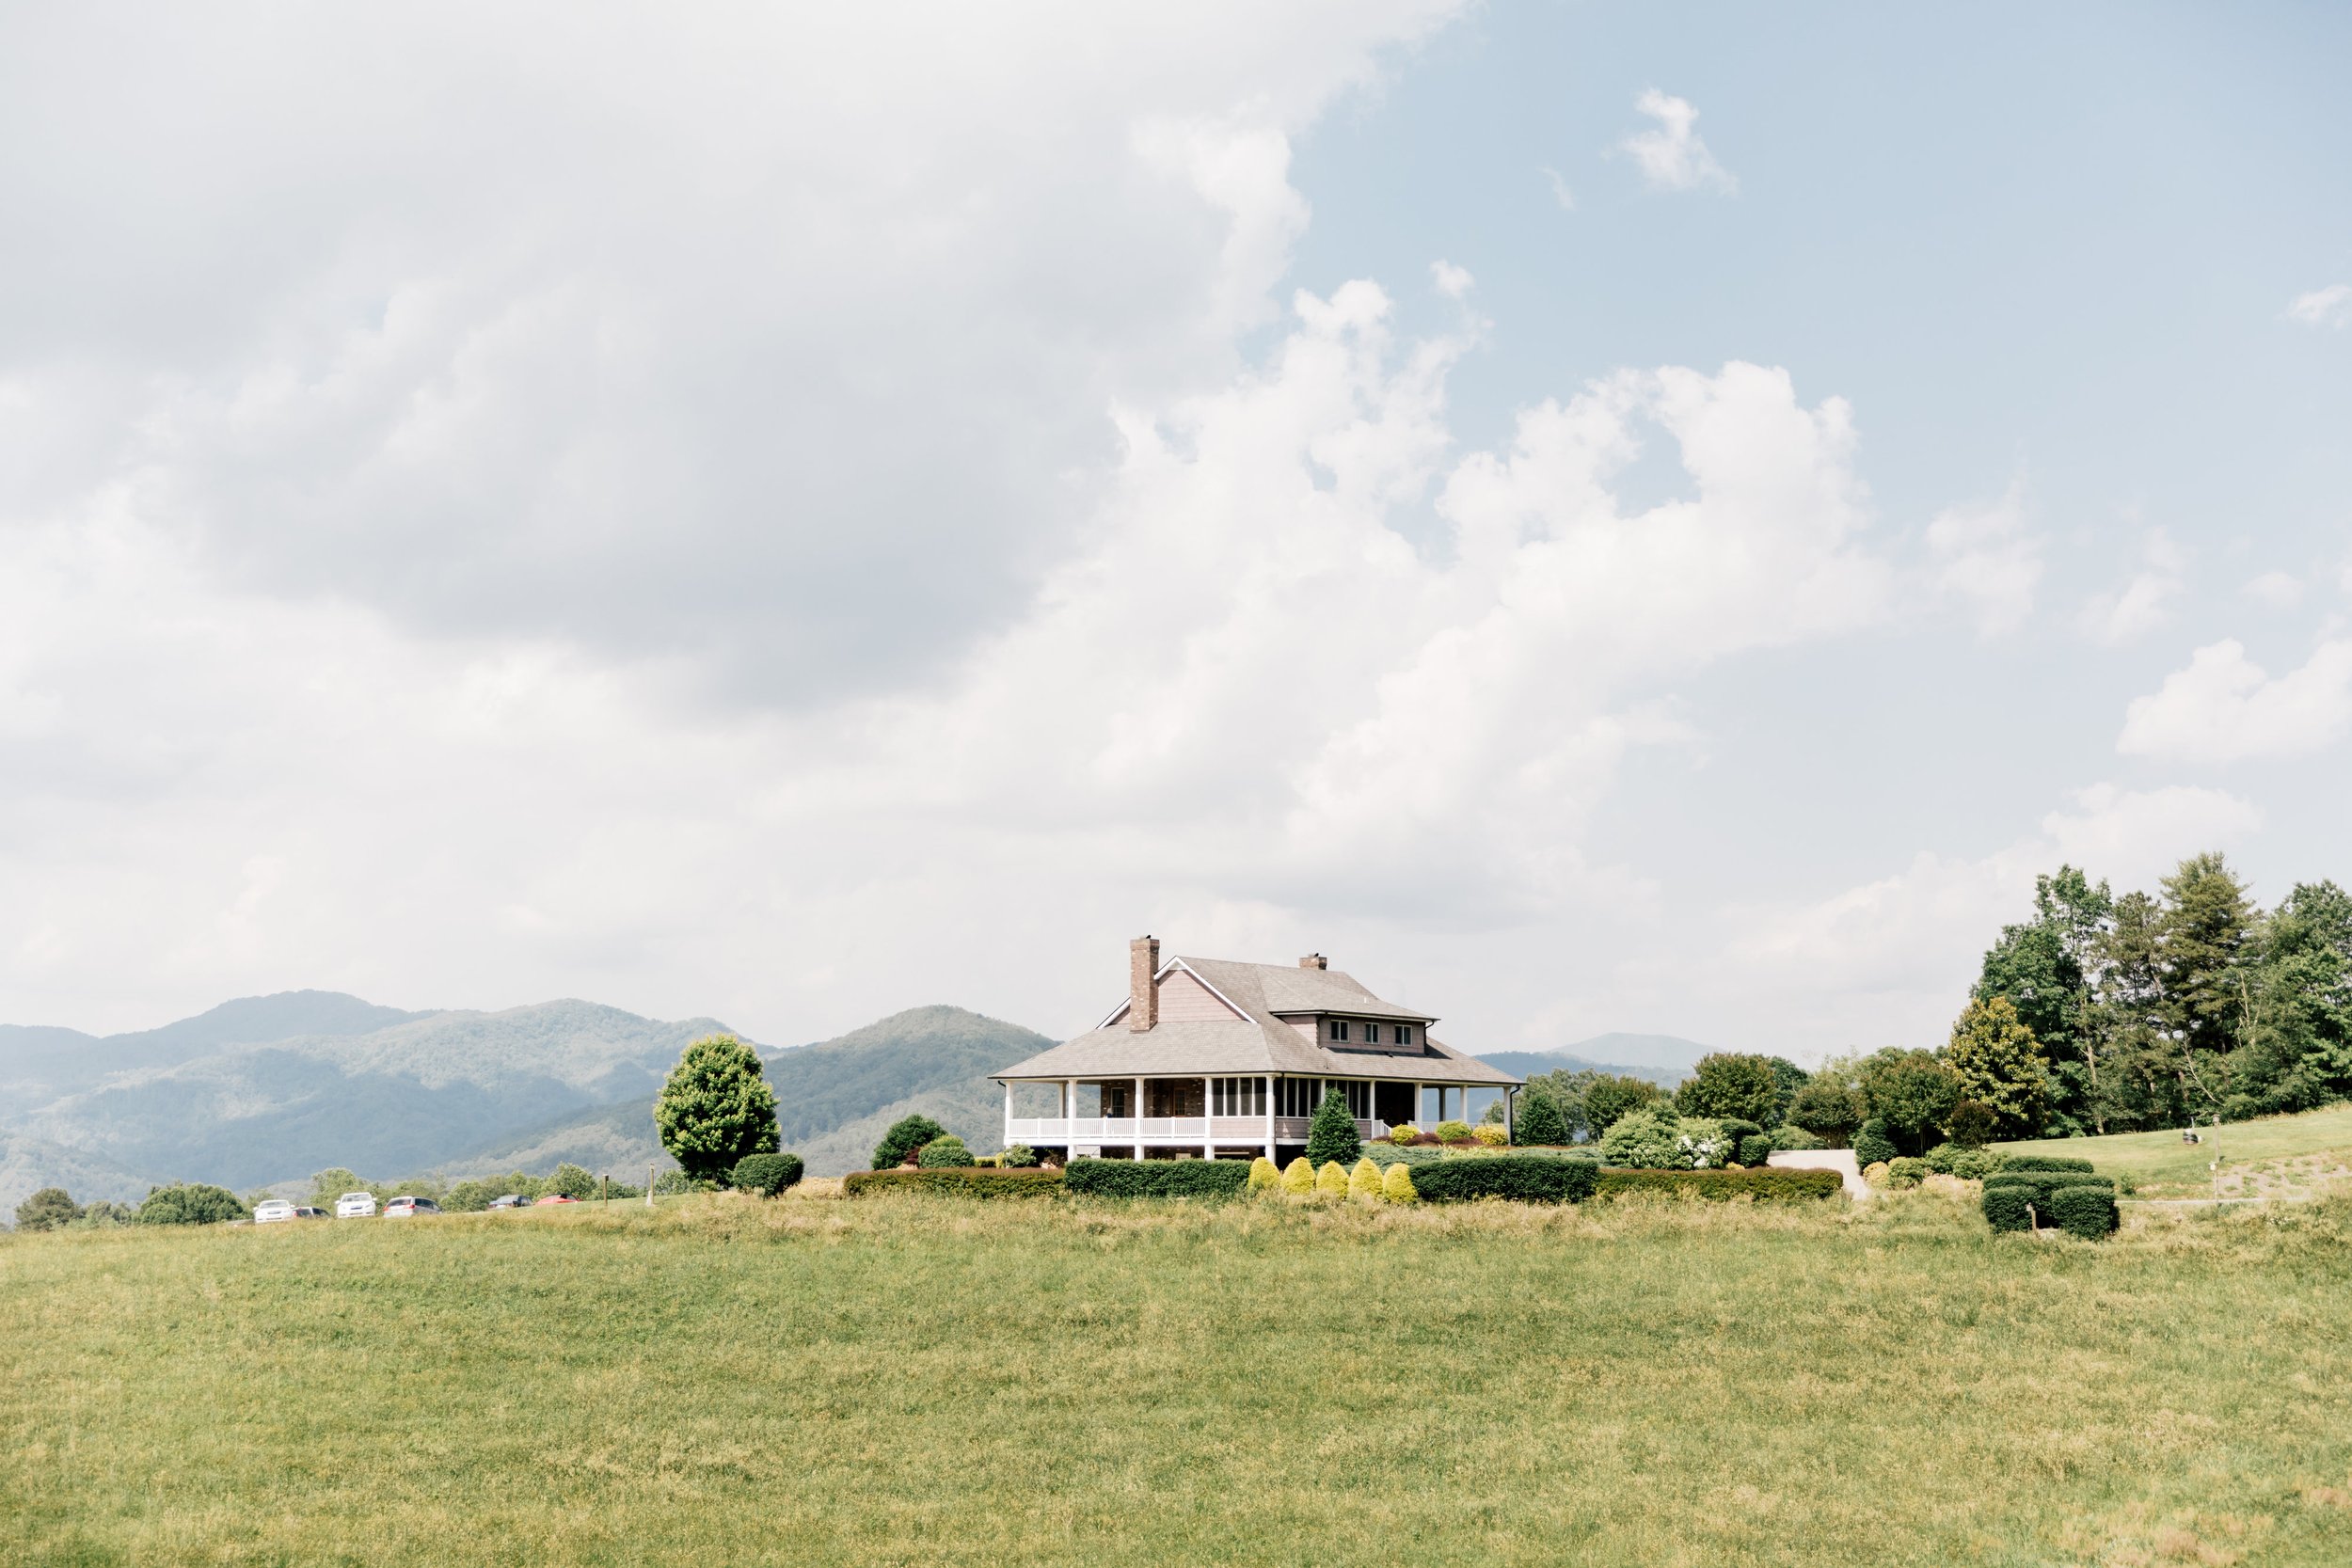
509,1200
309,1214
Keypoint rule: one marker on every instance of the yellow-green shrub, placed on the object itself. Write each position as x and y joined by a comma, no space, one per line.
1403,1134
1397,1184
1493,1134
1364,1181
1300,1180
1263,1176
1332,1178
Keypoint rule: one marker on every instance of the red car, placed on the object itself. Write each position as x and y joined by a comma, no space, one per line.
552,1198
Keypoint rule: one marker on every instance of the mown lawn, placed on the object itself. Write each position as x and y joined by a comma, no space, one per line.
726,1382
2303,1148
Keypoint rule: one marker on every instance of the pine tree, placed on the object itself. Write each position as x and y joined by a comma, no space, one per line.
1539,1121
1331,1136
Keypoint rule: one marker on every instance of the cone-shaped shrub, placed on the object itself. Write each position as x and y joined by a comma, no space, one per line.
1263,1178
1364,1181
1300,1180
1397,1184
1331,1136
1332,1178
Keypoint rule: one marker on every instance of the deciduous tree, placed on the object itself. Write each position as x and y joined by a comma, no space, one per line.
1997,1063
716,1108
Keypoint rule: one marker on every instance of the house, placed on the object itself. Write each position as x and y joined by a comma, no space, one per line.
1208,1057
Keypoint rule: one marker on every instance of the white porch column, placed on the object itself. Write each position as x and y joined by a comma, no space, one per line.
1208,1119
1268,1081
1008,1112
1138,1118
1070,1120
1418,1090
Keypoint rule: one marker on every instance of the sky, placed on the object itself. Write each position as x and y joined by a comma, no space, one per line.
1659,519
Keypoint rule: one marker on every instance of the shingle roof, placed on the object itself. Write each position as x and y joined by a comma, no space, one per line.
1260,1042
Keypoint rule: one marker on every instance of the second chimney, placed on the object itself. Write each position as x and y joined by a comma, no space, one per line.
1314,960
1143,992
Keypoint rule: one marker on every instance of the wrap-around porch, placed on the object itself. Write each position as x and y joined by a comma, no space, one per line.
1212,1115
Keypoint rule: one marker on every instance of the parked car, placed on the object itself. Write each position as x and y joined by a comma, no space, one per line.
553,1198
508,1201
276,1211
306,1213
401,1208
355,1206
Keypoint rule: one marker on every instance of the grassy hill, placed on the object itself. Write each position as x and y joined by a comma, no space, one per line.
901,1382
2286,1154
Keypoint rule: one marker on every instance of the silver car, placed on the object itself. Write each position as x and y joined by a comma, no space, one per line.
355,1206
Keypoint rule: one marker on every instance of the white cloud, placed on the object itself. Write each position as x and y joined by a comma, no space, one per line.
2328,307
2277,590
1982,554
2223,707
1888,962
1673,156
1452,281
2145,599
1560,191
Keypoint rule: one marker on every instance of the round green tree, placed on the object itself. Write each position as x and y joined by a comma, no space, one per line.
716,1108
1539,1121
50,1209
1611,1096
1730,1084
191,1203
1996,1062
1331,1136
906,1135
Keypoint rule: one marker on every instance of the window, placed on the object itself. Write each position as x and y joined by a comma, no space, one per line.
1339,1028
1239,1097
1404,1034
1359,1099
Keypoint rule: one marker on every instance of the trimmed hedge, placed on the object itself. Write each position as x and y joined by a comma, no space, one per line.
1523,1178
1764,1184
2005,1208
2076,1202
2085,1211
962,1181
1157,1178
945,1153
2044,1163
765,1174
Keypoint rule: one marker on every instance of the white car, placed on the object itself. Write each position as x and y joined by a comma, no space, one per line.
355,1206
277,1209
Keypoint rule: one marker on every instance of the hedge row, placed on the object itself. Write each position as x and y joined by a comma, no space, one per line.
2076,1202
1521,1178
1764,1184
1157,1178
964,1181
2045,1162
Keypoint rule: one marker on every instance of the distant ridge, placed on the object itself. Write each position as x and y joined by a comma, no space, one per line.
1662,1059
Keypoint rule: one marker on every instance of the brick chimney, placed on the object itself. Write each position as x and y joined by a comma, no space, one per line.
1143,996
1314,960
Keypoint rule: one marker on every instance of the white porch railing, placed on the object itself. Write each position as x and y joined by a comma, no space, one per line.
1166,1130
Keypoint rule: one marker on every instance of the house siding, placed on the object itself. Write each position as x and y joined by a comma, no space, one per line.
1185,1000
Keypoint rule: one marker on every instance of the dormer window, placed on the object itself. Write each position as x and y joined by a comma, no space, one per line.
1404,1034
1339,1028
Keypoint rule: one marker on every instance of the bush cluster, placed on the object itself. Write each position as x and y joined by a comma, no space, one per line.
2045,1163
191,1203
906,1135
1658,1139
1763,1185
1523,1178
1157,1178
765,1174
1968,1164
964,1182
1019,1157
1871,1144
1906,1170
2073,1199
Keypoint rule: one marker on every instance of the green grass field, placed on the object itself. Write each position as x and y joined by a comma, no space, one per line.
2289,1155
729,1381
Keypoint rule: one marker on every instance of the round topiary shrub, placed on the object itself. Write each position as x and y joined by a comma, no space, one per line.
1875,1172
1493,1133
1396,1185
1404,1133
1871,1145
1331,1181
765,1174
1453,1131
1299,1178
1756,1149
1264,1176
944,1154
1364,1181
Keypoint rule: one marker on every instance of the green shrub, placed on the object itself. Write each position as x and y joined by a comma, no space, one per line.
50,1209
1969,1165
1493,1133
670,1183
1656,1139
1738,1131
1539,1121
1453,1131
1298,1178
765,1174
1521,1178
1385,1155
1364,1181
1396,1185
946,1153
573,1182
1264,1175
105,1214
1156,1178
962,1181
2085,1211
906,1135
1404,1133
1756,1149
1905,1171
2005,1207
2045,1162
1871,1145
190,1203
1764,1185
1331,1136
1331,1179
1019,1157
1790,1137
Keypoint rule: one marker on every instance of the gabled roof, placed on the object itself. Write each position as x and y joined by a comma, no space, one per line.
1260,1041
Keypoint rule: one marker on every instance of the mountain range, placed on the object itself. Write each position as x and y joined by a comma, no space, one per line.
266,1090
